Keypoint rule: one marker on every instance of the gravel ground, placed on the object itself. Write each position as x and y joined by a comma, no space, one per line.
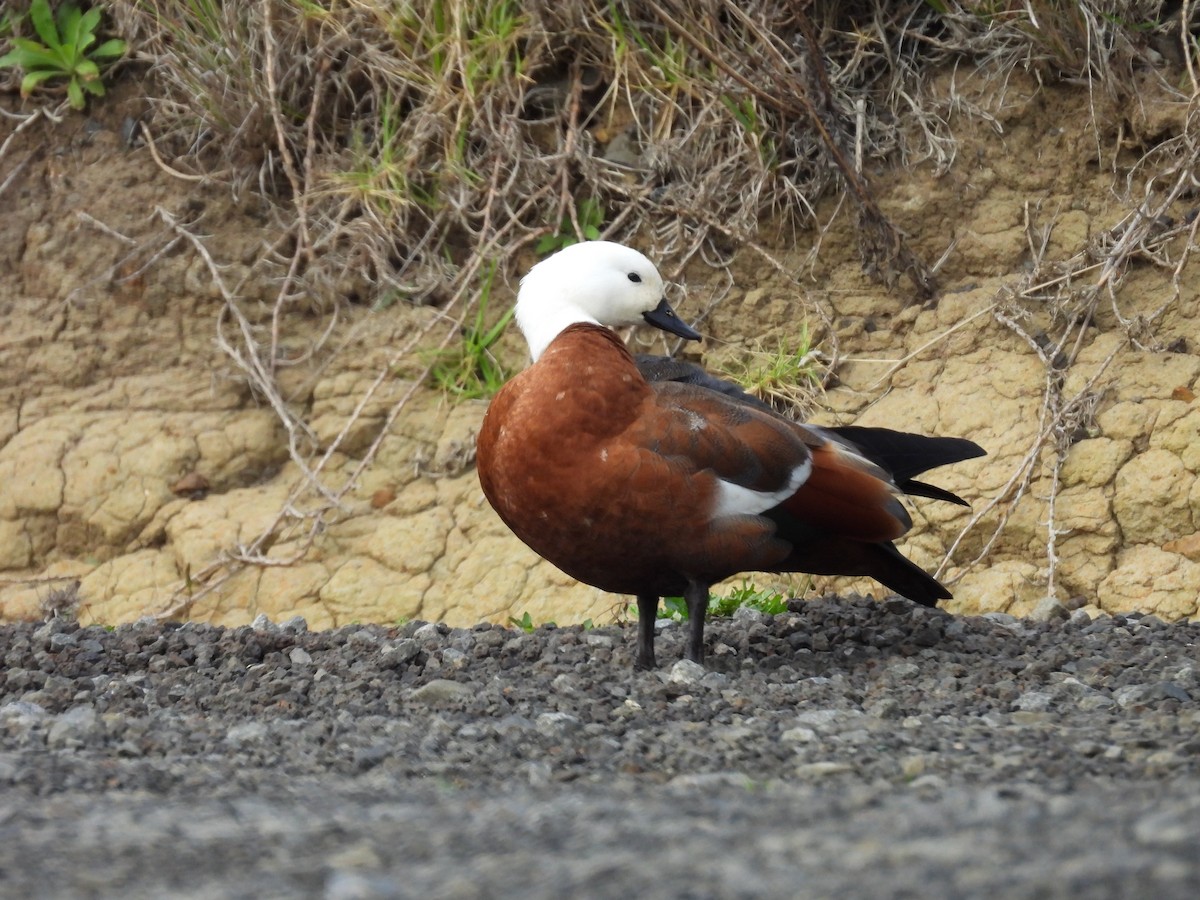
845,748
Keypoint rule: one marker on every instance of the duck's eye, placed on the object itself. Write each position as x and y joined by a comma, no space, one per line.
635,277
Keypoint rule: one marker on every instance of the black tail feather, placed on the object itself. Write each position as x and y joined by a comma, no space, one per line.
892,569
920,489
906,455
817,553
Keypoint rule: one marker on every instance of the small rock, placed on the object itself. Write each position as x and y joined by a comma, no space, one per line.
1162,759
454,658
567,684
857,736
1174,827
22,711
930,783
749,616
902,671
823,769
246,733
1131,695
399,653
537,773
514,725
471,732
1182,675
885,708
367,758
1173,691
557,724
342,884
799,735
1048,609
60,642
441,690
428,632
360,855
295,625
707,780
299,656
687,672
1095,700
1030,717
1034,701
1004,620
732,734
1080,618
72,728
827,720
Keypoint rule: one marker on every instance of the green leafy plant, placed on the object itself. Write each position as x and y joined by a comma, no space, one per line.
746,594
470,370
65,52
525,623
591,216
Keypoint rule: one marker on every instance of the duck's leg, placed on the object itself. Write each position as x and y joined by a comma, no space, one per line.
647,605
696,596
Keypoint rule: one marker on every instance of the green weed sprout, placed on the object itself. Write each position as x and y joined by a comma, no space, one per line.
766,601
469,370
65,53
591,217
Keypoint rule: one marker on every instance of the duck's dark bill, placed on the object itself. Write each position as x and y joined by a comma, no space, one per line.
662,316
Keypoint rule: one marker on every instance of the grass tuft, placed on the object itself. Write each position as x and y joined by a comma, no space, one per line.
468,369
744,595
789,380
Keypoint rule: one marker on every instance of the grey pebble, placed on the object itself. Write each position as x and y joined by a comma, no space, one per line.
72,728
441,690
299,656
687,672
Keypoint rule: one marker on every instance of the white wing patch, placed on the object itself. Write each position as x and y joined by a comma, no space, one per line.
735,500
695,421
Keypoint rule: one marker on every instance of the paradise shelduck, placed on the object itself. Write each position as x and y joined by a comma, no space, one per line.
663,480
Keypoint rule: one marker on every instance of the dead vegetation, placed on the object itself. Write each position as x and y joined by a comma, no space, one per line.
406,147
